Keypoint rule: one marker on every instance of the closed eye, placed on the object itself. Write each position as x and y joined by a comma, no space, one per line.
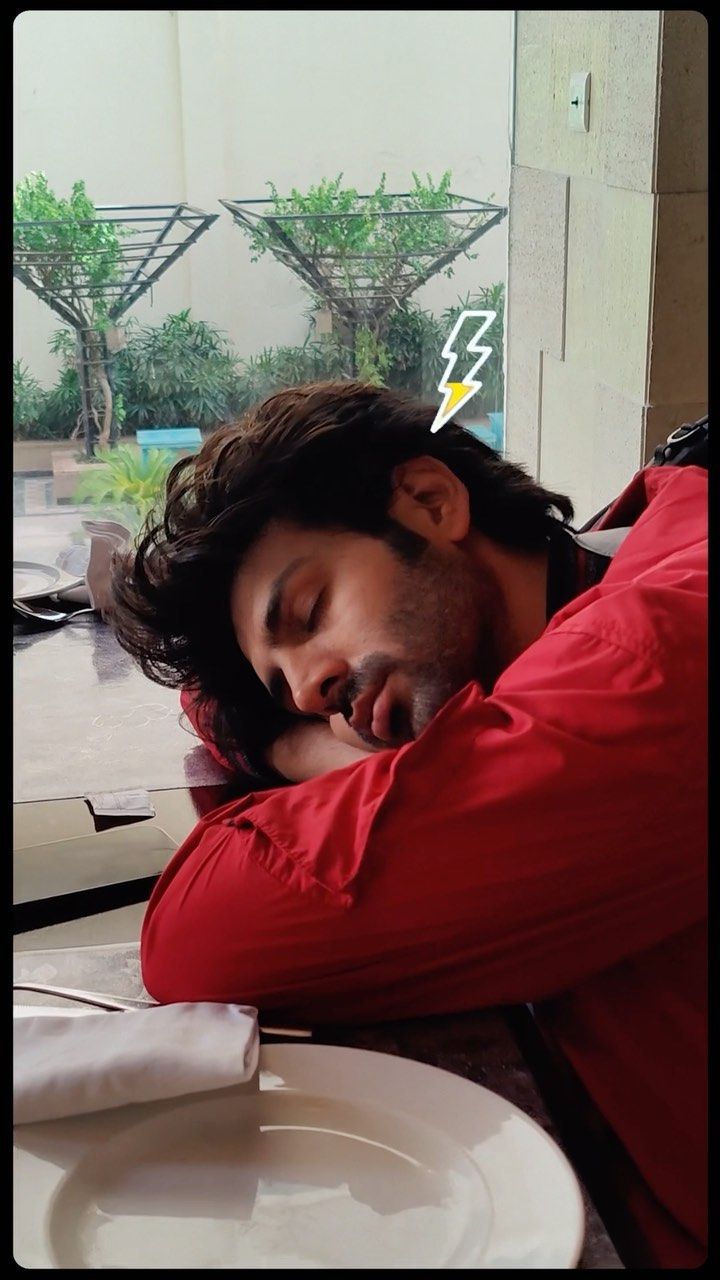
313,618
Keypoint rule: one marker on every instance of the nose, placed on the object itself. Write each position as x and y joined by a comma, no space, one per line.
316,684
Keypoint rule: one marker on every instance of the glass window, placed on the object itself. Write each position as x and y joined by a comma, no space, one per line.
358,186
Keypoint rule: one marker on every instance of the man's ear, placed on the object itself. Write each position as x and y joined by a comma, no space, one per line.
430,499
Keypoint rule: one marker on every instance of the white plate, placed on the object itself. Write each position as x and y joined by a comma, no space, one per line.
30,580
344,1158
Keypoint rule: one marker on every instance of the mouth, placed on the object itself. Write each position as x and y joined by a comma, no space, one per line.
382,714
380,717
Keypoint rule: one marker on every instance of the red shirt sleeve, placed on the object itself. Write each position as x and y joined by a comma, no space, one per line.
523,843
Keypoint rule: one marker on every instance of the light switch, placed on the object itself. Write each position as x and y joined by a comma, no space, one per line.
579,105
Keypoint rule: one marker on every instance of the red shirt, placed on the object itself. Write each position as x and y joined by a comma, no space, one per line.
545,843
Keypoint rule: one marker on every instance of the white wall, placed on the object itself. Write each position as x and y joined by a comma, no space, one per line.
163,105
97,98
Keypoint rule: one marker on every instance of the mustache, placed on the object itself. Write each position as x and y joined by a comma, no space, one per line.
370,671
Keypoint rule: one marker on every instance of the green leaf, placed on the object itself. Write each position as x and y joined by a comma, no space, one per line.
127,479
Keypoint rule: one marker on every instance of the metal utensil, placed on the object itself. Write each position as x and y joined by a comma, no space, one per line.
49,617
97,998
115,1004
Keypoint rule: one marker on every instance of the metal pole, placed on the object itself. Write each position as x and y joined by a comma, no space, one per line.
83,347
108,360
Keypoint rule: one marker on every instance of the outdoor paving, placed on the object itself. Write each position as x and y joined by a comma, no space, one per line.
43,528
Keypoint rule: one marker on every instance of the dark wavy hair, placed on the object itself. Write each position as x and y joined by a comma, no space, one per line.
321,455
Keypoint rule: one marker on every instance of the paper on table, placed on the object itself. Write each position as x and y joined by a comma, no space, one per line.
65,1066
122,804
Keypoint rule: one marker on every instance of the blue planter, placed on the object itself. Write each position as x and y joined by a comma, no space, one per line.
497,426
492,435
183,439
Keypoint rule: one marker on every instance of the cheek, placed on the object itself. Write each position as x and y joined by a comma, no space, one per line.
364,591
361,620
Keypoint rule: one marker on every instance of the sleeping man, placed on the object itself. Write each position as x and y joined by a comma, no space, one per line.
497,728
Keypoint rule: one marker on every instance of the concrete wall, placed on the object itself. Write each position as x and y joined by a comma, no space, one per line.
166,105
607,285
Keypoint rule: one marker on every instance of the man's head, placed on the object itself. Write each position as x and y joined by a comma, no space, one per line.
333,551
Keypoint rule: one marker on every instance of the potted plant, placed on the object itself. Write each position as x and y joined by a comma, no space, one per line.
70,258
74,257
363,255
126,483
28,403
412,359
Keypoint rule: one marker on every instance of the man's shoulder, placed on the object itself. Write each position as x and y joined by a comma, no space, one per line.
655,607
675,498
653,595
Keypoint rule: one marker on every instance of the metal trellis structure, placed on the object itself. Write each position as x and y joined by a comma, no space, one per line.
91,286
360,289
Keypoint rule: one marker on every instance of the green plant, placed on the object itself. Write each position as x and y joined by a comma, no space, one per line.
130,483
415,339
357,252
45,415
28,402
158,374
409,357
72,255
61,417
62,413
180,371
78,254
373,358
277,367
63,343
359,230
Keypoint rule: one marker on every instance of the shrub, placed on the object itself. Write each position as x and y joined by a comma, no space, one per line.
277,367
127,482
28,402
180,372
66,253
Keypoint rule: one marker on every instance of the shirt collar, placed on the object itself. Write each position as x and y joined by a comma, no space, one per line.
576,562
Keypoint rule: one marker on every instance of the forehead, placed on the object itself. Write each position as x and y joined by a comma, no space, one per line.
276,550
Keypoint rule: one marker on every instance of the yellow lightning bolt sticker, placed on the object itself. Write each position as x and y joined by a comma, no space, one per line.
457,393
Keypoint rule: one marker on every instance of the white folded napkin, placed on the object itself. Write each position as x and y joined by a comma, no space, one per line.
65,1066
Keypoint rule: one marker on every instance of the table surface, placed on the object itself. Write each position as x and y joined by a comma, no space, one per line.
86,719
478,1046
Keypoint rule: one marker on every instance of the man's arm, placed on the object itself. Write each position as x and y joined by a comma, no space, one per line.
523,843
305,750
311,748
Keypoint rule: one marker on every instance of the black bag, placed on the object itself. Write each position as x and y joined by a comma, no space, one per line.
686,446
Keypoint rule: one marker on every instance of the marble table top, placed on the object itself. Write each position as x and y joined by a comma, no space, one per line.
479,1046
86,719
